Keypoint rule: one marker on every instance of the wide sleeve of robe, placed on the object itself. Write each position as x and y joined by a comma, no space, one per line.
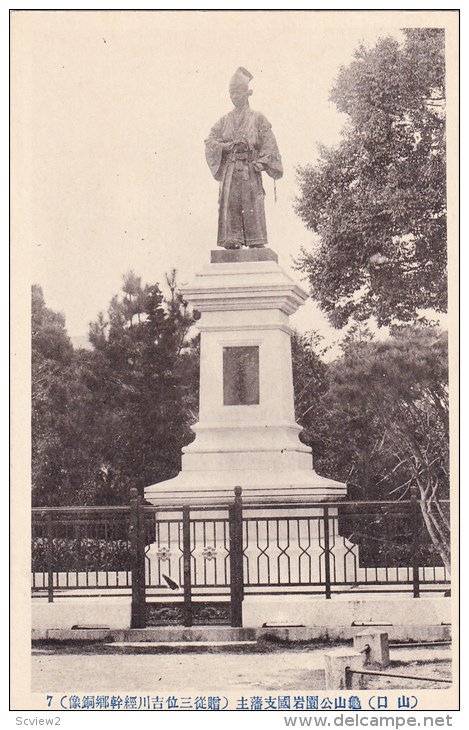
269,154
214,150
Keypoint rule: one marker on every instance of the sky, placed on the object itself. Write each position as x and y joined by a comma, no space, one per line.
110,113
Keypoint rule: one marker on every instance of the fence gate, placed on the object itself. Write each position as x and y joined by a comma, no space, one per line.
187,564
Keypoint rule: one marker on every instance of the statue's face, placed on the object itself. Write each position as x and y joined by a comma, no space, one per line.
239,94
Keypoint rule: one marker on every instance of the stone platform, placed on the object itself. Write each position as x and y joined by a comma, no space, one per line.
402,617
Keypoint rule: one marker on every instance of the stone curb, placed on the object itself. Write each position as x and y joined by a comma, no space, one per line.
226,633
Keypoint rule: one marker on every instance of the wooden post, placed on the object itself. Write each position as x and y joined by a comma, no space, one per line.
327,553
415,518
187,557
137,539
236,558
50,559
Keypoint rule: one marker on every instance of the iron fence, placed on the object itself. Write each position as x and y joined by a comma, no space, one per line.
233,550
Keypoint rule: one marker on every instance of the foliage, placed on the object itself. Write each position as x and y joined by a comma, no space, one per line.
56,464
377,201
386,426
116,416
88,554
310,383
143,375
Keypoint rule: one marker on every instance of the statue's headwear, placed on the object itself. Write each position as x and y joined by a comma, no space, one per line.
241,77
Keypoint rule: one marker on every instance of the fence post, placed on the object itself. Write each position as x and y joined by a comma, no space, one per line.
415,521
186,547
137,538
50,559
236,558
327,553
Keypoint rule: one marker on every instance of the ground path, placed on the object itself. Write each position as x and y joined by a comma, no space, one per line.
179,672
111,668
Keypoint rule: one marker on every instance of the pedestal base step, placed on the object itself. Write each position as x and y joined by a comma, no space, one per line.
262,486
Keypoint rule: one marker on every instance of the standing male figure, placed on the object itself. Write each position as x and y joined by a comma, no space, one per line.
239,148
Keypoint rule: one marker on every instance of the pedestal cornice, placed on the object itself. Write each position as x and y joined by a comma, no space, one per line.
245,285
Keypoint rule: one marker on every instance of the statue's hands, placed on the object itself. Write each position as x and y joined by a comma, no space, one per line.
241,144
258,166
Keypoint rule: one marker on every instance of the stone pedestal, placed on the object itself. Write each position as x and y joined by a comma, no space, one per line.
246,435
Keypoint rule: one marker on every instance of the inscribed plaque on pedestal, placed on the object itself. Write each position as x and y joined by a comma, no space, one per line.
241,376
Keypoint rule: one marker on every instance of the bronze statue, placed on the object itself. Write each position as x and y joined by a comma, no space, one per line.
239,148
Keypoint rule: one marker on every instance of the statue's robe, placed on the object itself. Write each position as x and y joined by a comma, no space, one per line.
241,217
